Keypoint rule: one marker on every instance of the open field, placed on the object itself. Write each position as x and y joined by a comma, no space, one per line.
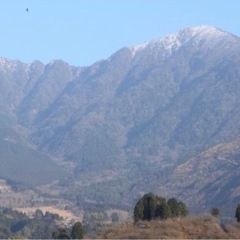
66,215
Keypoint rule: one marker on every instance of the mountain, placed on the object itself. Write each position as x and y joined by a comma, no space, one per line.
127,124
210,177
22,163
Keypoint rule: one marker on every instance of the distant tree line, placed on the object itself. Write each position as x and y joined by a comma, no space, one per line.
14,224
152,206
17,225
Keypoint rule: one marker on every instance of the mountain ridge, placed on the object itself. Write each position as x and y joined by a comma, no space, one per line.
136,116
174,41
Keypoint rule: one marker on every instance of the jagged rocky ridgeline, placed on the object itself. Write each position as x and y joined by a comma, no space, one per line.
130,122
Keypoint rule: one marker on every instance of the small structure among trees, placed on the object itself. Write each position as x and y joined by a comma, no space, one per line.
152,206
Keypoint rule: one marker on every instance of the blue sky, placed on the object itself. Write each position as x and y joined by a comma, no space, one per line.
82,32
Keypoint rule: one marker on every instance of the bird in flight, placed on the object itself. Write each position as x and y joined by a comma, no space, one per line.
27,9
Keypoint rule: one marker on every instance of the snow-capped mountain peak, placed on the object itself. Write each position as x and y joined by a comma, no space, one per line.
173,42
202,31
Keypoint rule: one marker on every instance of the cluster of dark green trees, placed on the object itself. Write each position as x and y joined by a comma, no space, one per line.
76,232
152,206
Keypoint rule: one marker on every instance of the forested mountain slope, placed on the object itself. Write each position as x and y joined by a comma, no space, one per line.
128,123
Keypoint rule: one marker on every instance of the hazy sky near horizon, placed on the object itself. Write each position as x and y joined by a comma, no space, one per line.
82,32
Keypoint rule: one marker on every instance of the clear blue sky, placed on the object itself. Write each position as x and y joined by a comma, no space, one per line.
82,32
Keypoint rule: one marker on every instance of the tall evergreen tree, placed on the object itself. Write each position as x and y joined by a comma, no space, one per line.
138,211
173,205
182,209
149,201
237,213
77,231
60,233
163,211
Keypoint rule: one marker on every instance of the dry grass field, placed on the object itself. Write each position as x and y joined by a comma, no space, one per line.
204,227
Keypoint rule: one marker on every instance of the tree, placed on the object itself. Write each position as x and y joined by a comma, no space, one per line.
38,214
163,211
77,231
138,211
145,208
215,212
173,205
182,209
149,202
60,233
237,214
177,208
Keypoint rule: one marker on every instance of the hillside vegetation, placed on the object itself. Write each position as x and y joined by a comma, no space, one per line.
159,117
20,161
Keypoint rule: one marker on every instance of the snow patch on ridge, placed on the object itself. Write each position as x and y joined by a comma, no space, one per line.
204,31
168,43
137,48
174,41
7,63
